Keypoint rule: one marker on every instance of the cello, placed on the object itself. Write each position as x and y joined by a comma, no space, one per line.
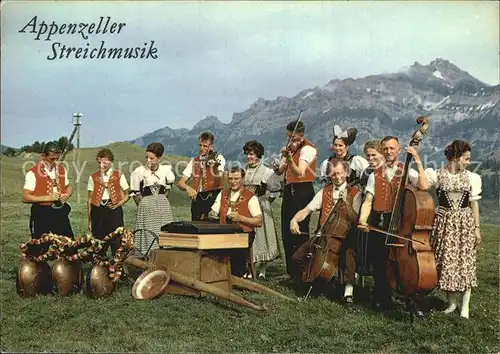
411,268
325,246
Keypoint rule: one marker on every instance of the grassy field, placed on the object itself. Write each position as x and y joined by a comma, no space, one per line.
183,324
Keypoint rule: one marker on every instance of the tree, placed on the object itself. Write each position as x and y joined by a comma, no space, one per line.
9,152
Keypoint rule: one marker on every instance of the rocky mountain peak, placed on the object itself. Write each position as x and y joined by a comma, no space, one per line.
460,106
209,122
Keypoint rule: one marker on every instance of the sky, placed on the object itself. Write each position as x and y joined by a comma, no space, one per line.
216,58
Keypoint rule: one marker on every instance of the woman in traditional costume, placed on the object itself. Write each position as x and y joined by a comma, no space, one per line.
456,232
149,186
340,145
265,184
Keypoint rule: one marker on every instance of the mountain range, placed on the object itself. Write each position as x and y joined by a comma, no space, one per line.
458,106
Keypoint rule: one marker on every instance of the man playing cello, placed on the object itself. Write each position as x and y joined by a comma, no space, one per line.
324,201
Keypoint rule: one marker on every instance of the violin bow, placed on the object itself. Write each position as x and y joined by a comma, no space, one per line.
295,128
319,234
394,235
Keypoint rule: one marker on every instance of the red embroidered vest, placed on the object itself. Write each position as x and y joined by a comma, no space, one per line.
327,200
209,179
385,191
240,206
310,174
44,185
113,188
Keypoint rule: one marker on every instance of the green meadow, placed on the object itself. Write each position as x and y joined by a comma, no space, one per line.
174,323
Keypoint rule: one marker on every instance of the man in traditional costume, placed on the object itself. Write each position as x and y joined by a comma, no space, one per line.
108,190
299,166
237,204
375,158
47,189
264,183
380,196
324,201
206,172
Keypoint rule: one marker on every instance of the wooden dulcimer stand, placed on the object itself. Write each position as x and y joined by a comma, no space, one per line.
204,257
199,264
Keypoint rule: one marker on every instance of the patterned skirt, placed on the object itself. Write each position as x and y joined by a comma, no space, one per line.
152,213
265,246
453,241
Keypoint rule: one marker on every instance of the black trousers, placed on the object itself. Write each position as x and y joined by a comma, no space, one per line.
200,207
379,254
45,219
104,221
295,197
239,257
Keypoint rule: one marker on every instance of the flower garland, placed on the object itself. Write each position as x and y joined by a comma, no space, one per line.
85,248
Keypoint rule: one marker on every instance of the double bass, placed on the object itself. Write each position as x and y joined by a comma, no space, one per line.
325,246
411,268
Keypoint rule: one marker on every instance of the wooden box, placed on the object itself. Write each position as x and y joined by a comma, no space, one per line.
203,241
213,268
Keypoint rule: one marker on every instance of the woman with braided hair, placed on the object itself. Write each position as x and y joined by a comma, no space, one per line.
456,231
340,145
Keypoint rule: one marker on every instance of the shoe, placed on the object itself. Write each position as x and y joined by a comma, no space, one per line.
262,276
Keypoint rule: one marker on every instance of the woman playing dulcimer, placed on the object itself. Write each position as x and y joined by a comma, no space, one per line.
325,201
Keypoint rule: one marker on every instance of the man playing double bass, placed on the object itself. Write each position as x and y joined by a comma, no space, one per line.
324,201
380,196
299,165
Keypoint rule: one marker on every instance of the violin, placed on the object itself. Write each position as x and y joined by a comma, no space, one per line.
211,159
411,269
293,145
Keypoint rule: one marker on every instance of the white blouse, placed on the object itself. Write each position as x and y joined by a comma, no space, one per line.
357,163
162,176
254,176
474,180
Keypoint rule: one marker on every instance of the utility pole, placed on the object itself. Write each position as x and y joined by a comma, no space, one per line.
77,124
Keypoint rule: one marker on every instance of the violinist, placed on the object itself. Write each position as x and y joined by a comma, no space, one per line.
380,197
324,201
299,166
340,145
206,174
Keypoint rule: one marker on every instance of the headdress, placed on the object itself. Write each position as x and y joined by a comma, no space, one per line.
338,133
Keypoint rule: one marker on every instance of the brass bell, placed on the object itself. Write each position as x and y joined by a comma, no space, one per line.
99,284
67,277
33,278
